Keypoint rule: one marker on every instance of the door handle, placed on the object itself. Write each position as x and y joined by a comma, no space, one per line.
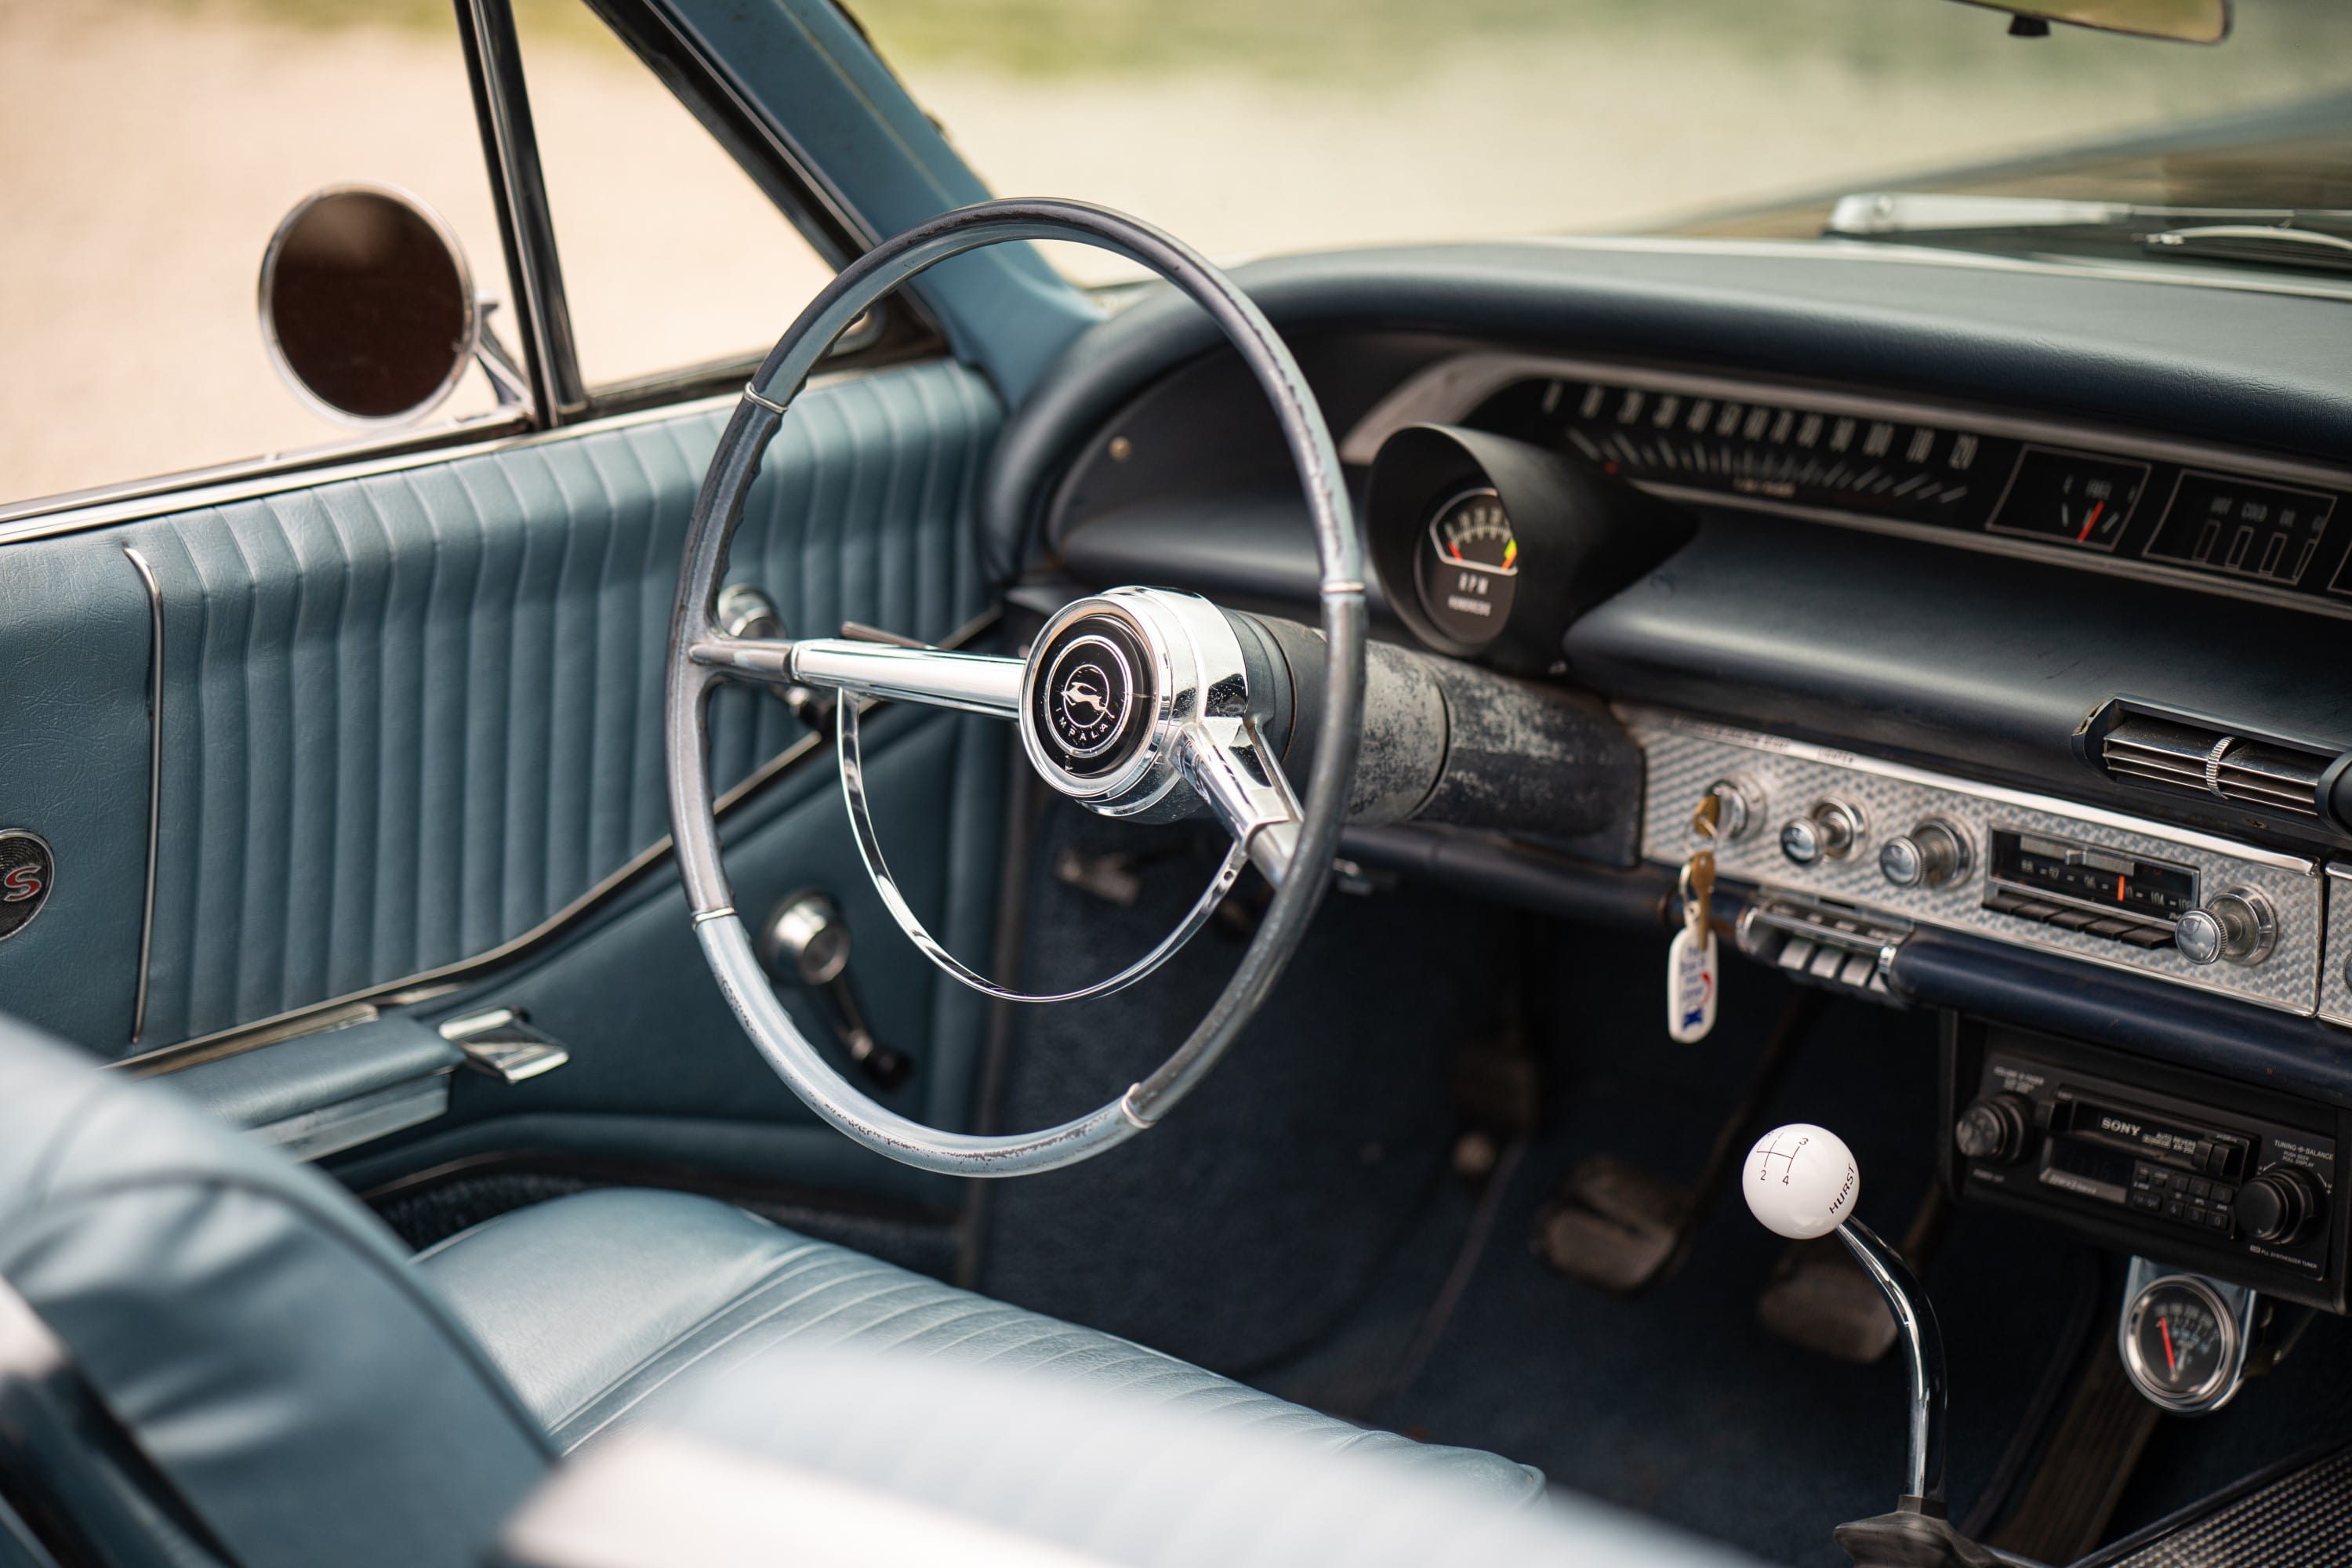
805,944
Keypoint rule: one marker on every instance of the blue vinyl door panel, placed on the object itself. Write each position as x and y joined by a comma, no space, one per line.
409,717
73,769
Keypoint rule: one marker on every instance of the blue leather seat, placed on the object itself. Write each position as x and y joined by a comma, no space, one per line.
916,1461
318,1397
594,1304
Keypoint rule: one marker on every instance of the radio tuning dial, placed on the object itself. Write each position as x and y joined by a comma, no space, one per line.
2239,926
1933,854
1828,832
2278,1205
1992,1128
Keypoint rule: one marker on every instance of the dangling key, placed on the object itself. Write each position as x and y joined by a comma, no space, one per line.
1690,960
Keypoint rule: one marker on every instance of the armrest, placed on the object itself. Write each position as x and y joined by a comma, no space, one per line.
316,1094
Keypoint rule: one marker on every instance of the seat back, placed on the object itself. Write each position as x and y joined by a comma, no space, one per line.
259,1333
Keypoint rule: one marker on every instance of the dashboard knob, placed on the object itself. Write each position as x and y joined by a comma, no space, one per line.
1992,1128
1829,831
2239,926
1932,855
2278,1205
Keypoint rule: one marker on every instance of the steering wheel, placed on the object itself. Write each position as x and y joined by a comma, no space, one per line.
1137,703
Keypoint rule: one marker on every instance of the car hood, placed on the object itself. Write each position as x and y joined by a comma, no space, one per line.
2299,156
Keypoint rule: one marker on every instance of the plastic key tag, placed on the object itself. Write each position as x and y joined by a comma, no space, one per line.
1691,971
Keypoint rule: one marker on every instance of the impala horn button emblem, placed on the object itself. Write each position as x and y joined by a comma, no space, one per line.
1088,709
26,870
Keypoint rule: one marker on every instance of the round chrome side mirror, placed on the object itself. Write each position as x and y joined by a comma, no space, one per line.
367,307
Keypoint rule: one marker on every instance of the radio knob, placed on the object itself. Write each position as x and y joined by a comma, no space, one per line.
2238,926
1829,831
1992,1128
1932,855
2277,1205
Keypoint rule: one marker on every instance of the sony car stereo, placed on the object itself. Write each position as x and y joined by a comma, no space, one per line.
2232,1181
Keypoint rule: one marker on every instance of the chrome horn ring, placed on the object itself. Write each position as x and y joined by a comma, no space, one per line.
1139,690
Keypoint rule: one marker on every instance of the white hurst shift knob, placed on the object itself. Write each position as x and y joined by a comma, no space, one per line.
1801,1181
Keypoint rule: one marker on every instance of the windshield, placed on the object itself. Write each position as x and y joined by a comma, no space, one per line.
1250,126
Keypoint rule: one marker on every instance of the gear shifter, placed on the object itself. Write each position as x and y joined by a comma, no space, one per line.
1801,1181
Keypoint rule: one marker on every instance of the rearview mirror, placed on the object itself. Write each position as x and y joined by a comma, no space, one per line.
367,308
2182,21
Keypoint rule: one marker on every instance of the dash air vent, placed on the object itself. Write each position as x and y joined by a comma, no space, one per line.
2192,759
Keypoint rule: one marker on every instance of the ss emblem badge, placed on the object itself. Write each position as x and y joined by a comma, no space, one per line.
26,869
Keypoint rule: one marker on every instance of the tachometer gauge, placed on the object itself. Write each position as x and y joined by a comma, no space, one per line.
2181,1344
1468,567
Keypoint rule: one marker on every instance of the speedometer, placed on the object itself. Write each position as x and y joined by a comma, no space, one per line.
1468,566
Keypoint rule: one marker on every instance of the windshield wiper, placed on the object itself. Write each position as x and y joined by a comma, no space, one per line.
2310,238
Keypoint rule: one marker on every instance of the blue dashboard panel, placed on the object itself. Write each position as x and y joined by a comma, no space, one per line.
408,717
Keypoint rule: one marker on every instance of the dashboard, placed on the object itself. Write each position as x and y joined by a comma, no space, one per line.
2005,616
2218,520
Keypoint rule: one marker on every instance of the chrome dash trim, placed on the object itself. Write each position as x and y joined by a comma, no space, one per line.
1681,753
1641,717
261,1031
154,780
1447,392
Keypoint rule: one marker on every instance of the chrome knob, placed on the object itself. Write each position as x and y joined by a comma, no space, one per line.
2238,926
1828,832
1932,855
745,612
807,937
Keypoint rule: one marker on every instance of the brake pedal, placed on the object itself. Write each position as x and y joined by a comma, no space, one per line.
1820,1300
1612,1226
1617,1227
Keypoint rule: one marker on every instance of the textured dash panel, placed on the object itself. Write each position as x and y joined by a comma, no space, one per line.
409,717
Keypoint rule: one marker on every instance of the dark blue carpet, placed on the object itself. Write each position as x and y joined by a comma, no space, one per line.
1292,1224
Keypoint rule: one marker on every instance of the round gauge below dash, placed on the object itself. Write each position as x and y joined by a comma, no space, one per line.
2181,1344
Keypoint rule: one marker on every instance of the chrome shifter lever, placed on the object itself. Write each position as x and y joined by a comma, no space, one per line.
805,943
1801,1181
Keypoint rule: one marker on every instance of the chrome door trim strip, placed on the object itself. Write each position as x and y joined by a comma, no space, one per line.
1635,717
1448,391
155,779
266,477
303,1020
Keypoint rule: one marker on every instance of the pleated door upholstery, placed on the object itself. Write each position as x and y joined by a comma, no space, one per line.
409,717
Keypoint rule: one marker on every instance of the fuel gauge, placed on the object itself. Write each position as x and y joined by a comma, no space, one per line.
2071,497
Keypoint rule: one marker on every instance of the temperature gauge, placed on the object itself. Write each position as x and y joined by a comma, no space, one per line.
2070,497
2181,1344
1468,566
